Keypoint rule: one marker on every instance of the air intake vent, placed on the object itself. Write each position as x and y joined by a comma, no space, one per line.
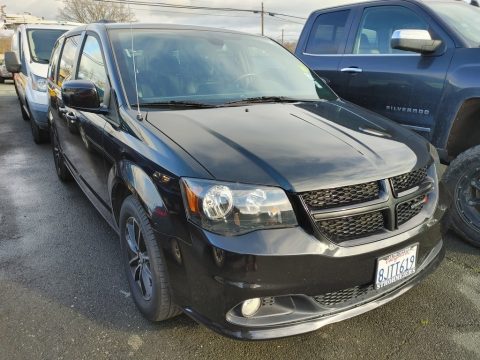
351,227
407,181
346,195
408,209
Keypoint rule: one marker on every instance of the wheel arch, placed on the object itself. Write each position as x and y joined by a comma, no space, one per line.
465,131
127,178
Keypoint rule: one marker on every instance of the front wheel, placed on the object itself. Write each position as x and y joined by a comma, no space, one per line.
463,181
39,135
144,263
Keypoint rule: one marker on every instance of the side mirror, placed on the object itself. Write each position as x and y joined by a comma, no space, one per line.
418,41
81,95
11,62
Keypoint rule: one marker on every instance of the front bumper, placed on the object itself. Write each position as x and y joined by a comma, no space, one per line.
38,113
288,263
323,317
38,107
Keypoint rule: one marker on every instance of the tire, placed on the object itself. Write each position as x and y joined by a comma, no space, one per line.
39,135
462,179
62,171
144,263
2,80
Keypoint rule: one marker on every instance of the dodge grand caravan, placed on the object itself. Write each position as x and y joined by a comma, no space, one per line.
245,193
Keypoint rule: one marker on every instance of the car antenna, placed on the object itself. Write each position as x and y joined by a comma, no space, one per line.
139,113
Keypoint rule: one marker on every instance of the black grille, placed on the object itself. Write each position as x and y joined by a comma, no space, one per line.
407,181
344,297
350,227
409,209
347,195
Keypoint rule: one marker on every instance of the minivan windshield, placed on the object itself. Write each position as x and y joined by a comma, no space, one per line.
463,18
209,67
40,43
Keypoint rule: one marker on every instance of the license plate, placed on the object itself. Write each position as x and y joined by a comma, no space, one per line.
396,266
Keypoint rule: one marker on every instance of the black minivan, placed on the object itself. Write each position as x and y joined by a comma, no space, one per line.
245,193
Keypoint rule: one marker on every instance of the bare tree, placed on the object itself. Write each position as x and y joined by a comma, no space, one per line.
87,11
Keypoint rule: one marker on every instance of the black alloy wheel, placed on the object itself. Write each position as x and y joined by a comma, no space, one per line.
144,263
463,181
138,258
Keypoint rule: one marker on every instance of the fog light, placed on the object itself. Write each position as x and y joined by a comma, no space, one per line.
250,307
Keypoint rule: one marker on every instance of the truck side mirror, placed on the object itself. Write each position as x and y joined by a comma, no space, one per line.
418,41
12,63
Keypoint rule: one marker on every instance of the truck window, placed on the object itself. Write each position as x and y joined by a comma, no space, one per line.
378,24
328,32
67,61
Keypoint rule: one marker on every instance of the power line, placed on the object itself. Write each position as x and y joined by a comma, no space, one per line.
189,13
194,7
285,20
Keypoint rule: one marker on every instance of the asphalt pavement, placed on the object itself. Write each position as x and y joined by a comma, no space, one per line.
63,293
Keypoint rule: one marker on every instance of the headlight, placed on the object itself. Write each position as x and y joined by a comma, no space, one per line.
232,208
39,83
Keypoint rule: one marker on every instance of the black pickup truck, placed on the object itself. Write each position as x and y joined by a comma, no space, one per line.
417,63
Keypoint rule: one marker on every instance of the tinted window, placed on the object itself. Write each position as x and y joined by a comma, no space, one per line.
378,25
210,67
67,61
91,66
328,32
52,70
40,43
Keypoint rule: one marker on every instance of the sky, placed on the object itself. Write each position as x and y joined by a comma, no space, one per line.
237,21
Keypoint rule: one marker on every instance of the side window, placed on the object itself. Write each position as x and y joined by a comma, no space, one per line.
67,60
379,23
52,70
328,32
92,67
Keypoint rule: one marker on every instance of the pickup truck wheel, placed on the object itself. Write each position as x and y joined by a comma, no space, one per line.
463,180
62,171
144,263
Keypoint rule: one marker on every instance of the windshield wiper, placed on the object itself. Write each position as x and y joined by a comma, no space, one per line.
40,60
266,99
174,103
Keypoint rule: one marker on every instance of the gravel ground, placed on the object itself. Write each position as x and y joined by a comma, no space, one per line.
63,294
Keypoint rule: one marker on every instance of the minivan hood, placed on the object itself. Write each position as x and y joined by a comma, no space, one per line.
38,69
298,147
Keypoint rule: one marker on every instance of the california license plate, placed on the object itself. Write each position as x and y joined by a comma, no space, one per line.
396,266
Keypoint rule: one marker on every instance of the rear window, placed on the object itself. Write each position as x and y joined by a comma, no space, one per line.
328,33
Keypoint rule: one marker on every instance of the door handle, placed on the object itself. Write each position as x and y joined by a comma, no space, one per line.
352,70
70,116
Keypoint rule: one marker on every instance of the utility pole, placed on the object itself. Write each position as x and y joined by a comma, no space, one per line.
282,36
262,19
